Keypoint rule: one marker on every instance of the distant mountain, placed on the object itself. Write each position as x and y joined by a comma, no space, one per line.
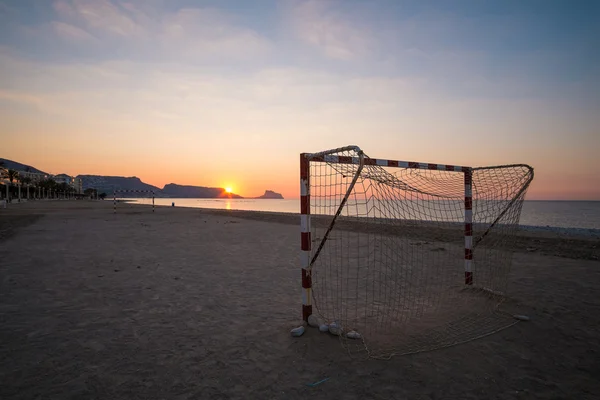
269,194
107,184
182,191
9,164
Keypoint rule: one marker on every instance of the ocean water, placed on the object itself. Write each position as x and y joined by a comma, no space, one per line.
555,214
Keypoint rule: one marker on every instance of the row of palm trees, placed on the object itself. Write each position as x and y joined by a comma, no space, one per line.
45,188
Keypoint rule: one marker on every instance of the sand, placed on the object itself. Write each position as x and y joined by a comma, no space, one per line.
198,304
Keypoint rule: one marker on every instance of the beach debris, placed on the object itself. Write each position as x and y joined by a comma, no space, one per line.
314,321
335,328
299,331
353,335
324,328
521,317
317,383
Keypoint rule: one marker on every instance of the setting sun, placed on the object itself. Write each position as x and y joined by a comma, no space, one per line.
228,189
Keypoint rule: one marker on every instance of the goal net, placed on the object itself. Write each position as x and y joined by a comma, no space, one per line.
405,257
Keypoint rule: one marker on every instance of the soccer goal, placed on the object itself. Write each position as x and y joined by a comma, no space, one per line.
148,193
401,256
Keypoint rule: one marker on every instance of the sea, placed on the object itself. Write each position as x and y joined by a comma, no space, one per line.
573,215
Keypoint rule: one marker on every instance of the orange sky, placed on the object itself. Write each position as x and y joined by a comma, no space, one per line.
221,97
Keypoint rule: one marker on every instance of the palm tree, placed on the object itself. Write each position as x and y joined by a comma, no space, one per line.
47,185
26,181
62,188
3,171
12,175
3,175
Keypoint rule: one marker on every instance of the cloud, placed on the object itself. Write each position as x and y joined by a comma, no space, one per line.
270,98
199,31
144,30
72,33
324,25
21,98
100,15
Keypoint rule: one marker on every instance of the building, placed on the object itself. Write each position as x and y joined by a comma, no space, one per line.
78,185
75,183
34,176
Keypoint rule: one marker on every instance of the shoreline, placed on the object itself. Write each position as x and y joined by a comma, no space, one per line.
524,230
565,243
574,243
293,217
563,231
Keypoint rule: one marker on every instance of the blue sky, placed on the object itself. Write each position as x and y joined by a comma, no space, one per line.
465,82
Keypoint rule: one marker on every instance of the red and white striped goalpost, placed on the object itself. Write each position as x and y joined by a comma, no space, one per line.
305,228
305,245
468,225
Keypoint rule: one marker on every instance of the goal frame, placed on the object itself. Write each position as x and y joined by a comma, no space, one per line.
129,191
362,160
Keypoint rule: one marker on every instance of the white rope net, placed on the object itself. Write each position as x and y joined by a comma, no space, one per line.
391,264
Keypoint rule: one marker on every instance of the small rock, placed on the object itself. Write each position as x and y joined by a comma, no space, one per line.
335,329
299,331
353,335
117,270
314,321
100,276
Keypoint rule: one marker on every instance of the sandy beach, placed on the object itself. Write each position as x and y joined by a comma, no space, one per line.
198,304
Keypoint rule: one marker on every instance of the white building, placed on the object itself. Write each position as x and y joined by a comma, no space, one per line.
74,183
34,176
78,185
